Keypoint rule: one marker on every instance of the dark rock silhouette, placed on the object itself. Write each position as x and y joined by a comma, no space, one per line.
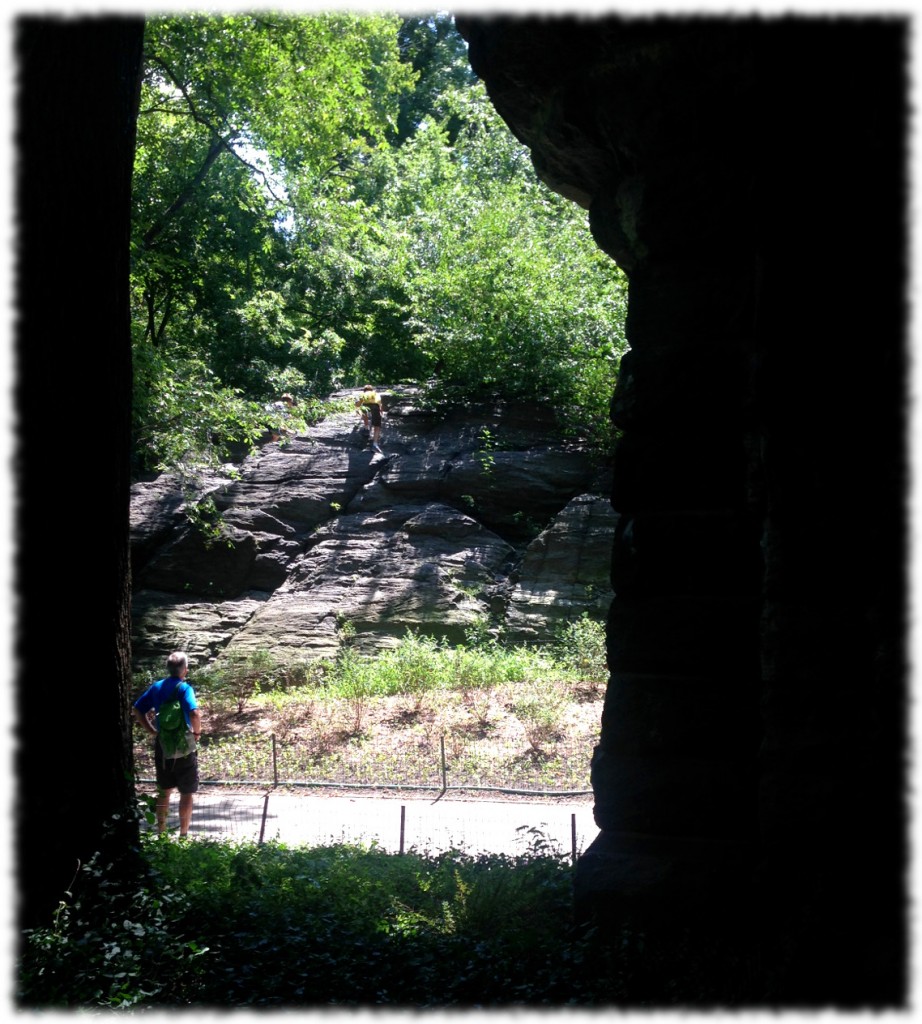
748,174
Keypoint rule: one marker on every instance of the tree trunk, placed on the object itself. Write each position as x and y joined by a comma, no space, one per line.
76,109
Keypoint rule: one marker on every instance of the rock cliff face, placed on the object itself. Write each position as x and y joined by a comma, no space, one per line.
469,515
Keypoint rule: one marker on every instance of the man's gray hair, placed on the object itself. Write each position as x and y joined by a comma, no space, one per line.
176,661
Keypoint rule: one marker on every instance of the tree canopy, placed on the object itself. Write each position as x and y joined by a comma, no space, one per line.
325,199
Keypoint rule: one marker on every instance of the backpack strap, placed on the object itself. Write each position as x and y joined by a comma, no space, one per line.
173,693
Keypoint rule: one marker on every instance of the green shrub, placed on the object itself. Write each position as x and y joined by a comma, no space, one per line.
418,665
98,949
480,635
353,680
238,679
471,669
582,648
539,705
206,924
356,925
520,664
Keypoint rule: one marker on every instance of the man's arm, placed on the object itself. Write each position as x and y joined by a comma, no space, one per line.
143,721
195,720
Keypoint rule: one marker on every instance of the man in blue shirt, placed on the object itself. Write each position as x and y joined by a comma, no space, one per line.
172,772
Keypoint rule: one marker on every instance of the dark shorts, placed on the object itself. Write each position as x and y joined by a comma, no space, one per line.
177,773
375,412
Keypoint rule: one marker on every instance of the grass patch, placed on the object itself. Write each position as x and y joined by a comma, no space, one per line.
524,718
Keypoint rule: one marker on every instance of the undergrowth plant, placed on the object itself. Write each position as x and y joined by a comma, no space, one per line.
416,666
216,925
583,650
353,680
539,705
97,949
239,925
237,680
330,712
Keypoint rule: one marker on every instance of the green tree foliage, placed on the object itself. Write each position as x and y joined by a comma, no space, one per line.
231,107
327,199
438,56
511,295
446,259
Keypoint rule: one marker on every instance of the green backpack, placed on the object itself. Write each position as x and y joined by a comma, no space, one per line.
172,728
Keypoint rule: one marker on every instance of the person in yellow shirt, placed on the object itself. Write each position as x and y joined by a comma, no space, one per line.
369,403
280,411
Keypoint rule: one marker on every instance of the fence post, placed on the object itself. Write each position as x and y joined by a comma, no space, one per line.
573,835
262,825
403,822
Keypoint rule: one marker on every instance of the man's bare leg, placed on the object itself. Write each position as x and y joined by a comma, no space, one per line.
163,808
185,813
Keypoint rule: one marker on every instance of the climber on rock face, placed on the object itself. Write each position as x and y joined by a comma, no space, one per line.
369,403
279,411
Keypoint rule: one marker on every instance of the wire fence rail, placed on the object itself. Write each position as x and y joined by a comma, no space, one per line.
418,762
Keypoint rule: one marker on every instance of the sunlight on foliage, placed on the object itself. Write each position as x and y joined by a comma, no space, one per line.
219,925
329,198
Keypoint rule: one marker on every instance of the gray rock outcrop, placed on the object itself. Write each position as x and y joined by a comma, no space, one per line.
470,516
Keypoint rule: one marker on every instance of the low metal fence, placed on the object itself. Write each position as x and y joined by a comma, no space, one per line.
495,796
514,827
415,761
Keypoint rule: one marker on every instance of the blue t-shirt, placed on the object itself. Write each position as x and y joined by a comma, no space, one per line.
161,691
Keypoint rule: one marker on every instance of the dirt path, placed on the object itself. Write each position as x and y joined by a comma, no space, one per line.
393,823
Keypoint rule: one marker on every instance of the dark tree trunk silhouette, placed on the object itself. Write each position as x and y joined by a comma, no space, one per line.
78,84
